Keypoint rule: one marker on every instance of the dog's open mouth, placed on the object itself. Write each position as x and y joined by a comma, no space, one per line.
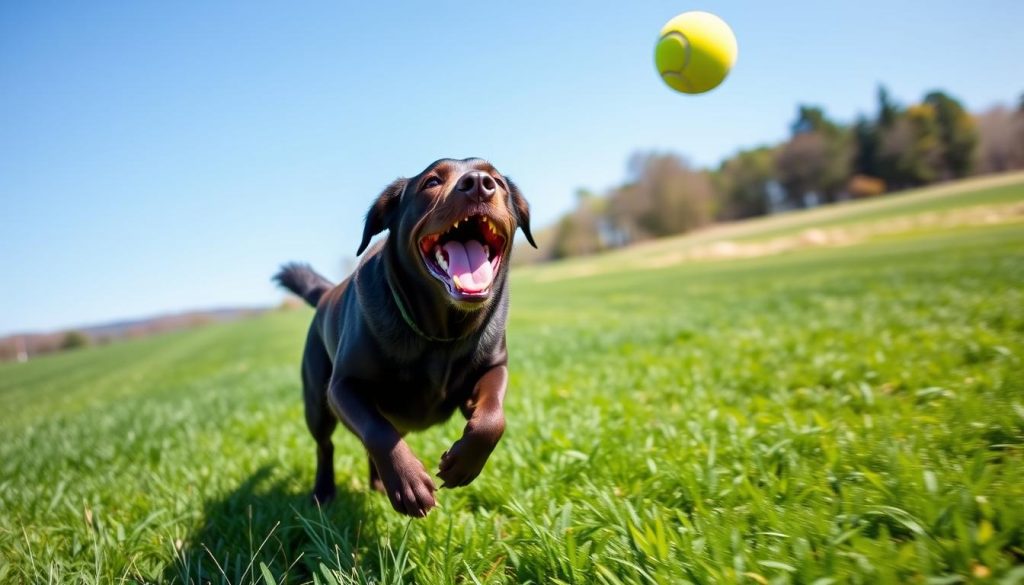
466,256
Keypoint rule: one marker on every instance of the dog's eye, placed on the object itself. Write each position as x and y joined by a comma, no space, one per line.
432,182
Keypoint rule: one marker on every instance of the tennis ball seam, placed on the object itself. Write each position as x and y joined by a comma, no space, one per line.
686,59
686,45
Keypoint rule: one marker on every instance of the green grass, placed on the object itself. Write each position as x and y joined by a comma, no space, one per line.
830,415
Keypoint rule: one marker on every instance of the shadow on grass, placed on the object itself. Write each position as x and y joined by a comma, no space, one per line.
263,532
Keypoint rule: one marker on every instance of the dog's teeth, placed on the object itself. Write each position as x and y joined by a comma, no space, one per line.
457,222
455,279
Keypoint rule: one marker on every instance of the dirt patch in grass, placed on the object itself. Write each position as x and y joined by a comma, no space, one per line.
646,257
841,236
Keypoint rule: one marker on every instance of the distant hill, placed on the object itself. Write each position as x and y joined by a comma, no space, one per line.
21,346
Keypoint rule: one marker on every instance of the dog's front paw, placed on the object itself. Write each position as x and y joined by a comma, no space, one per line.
463,462
406,482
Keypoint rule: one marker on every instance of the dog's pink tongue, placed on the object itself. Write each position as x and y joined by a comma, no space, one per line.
468,262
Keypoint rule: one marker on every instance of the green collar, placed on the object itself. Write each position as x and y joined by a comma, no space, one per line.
408,318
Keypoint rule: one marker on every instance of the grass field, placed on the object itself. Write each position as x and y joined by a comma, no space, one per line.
833,414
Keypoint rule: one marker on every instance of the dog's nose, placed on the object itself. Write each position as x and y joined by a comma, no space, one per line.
477,185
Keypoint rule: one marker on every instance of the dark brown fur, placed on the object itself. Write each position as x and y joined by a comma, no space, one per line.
367,367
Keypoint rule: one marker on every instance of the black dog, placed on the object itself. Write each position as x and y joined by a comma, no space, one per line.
417,331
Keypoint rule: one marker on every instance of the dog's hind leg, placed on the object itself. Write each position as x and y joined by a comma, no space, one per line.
316,374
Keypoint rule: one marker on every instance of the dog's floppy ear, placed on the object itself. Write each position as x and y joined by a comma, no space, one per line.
382,212
521,209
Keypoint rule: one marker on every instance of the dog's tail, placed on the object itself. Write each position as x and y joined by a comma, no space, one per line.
302,280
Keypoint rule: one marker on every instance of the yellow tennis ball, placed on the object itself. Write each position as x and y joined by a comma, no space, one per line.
695,52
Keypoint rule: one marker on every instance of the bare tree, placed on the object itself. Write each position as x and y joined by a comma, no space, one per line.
665,196
817,160
1001,140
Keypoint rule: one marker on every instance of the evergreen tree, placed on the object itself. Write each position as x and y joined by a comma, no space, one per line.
958,135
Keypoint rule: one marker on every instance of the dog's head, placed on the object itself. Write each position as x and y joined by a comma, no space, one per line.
453,224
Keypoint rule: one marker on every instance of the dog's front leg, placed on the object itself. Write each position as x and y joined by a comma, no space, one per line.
463,462
406,481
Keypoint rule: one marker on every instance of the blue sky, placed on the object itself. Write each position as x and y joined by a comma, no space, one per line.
160,156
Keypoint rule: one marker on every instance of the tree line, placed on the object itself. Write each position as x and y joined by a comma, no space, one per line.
822,161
